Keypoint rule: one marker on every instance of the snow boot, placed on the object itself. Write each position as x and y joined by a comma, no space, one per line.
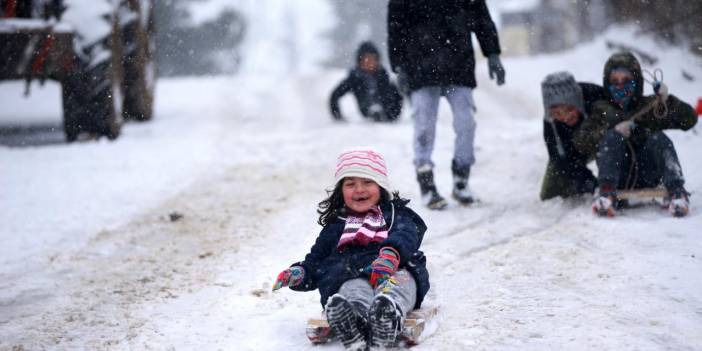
346,323
386,321
430,196
679,203
461,192
605,203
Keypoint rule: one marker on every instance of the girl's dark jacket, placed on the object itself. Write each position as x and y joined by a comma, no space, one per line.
430,40
327,267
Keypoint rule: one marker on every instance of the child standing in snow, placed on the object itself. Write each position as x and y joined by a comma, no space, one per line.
366,261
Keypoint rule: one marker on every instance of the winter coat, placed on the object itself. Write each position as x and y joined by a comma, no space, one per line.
368,88
606,113
430,40
567,173
327,267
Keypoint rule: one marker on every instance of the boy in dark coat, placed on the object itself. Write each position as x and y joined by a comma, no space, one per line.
430,43
567,104
376,96
626,131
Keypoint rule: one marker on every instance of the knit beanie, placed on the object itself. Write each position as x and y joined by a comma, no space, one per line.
364,163
560,88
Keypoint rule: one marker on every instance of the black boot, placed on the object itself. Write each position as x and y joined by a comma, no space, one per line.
386,322
430,196
346,323
461,192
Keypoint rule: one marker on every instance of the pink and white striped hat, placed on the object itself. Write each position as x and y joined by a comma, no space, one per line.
365,163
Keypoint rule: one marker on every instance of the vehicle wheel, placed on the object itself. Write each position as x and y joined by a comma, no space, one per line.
138,63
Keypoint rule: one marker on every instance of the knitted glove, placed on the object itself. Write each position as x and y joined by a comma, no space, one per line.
495,68
384,266
292,276
624,128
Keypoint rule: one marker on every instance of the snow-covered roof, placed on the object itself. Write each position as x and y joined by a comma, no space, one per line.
12,25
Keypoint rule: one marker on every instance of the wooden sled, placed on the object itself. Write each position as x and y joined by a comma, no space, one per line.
642,194
319,332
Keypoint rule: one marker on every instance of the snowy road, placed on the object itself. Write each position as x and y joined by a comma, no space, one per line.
94,262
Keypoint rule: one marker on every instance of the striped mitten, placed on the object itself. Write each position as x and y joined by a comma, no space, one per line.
292,276
384,266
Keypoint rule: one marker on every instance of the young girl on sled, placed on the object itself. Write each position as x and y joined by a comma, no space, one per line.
366,261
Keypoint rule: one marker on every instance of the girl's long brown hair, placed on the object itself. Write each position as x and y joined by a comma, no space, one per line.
333,205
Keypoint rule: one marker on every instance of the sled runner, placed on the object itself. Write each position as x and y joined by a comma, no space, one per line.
319,332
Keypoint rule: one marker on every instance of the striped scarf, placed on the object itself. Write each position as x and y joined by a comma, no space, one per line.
362,229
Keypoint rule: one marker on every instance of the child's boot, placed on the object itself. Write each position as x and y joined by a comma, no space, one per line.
606,202
386,321
430,196
461,192
346,323
679,205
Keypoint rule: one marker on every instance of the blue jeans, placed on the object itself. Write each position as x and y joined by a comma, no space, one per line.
425,108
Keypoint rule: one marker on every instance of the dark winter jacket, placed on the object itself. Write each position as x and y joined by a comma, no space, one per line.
327,268
606,113
368,88
564,160
430,40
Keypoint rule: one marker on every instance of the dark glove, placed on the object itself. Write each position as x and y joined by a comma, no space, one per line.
384,266
292,276
402,82
495,68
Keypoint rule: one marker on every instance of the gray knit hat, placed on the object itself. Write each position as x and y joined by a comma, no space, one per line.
560,88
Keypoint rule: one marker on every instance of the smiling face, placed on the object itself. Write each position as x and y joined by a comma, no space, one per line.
566,114
360,194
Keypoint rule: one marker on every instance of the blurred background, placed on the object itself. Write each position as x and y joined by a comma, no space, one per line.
226,36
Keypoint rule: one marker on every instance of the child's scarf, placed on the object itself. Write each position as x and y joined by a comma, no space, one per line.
364,228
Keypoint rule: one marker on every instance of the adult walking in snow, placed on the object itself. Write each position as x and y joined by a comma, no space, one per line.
626,131
567,104
377,98
366,261
430,43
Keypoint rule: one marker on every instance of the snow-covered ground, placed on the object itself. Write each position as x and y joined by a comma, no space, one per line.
89,258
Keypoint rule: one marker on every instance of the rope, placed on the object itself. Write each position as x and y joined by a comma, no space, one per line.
633,175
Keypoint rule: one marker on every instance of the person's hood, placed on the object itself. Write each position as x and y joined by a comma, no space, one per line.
366,47
623,60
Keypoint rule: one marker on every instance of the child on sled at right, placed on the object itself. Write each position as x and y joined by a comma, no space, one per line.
625,131
366,261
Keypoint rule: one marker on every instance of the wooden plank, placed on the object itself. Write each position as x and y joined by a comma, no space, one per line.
642,194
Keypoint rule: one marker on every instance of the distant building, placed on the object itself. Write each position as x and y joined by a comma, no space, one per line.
530,27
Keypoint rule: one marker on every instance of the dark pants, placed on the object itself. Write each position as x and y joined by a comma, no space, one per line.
624,165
